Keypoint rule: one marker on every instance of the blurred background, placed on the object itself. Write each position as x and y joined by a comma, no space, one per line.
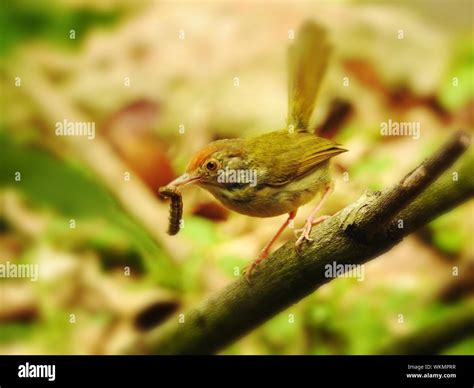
158,80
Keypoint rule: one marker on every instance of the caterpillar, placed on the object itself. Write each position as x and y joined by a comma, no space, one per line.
176,208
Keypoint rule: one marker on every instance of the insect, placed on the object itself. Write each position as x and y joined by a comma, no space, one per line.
176,208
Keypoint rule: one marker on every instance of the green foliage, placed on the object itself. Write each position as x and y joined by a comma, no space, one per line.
202,234
373,166
447,233
64,188
283,333
228,263
48,181
456,96
201,231
15,331
190,272
465,347
23,20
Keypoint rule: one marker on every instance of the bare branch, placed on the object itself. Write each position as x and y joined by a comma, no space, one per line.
390,203
286,276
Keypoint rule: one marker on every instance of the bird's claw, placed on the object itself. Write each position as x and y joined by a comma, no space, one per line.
250,268
305,231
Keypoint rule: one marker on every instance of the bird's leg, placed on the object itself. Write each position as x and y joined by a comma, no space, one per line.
311,220
264,253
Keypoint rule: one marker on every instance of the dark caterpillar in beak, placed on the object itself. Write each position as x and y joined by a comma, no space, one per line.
176,208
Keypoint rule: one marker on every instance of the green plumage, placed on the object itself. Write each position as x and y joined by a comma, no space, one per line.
293,155
291,168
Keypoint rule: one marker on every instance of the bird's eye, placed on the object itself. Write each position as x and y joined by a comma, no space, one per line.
211,165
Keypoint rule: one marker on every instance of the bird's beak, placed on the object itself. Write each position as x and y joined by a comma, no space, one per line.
184,180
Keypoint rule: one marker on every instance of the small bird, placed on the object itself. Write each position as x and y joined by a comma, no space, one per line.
277,172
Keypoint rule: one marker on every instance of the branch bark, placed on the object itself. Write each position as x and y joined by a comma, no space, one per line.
287,276
397,198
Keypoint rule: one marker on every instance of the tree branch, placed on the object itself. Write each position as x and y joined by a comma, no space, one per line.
287,276
388,205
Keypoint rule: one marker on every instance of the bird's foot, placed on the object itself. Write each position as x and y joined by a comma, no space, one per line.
249,270
306,230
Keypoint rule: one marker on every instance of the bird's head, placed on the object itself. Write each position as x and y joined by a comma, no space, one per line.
206,165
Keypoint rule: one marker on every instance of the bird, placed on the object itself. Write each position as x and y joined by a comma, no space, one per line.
275,173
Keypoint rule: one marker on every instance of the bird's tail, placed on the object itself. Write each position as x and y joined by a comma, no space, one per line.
307,60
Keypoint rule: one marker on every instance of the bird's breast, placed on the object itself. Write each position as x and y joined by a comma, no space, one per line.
263,200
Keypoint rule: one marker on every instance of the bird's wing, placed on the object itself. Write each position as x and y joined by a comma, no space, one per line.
307,59
294,155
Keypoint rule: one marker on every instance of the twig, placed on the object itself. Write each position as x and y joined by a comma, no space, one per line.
285,277
390,203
